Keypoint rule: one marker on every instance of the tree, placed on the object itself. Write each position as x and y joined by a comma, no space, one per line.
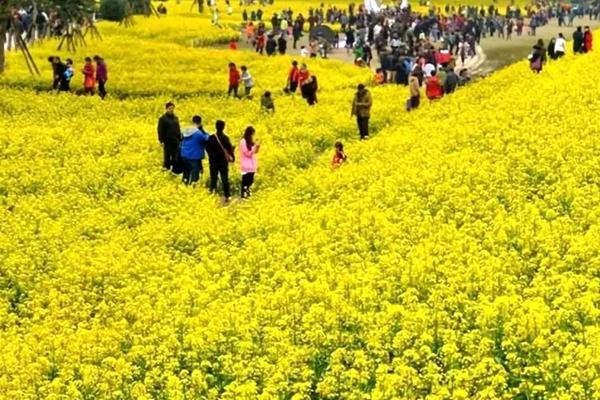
12,28
73,14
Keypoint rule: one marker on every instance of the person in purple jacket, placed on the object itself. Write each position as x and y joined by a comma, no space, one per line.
101,75
192,151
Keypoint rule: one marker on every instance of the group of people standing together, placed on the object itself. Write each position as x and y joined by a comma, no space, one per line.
183,152
93,75
557,48
298,79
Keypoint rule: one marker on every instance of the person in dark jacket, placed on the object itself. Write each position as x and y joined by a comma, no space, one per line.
101,75
192,151
169,135
271,46
537,59
578,40
220,154
296,32
58,69
451,81
281,44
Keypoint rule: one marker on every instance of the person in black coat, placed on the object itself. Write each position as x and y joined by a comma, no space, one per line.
578,40
271,46
281,44
296,32
220,154
169,135
451,81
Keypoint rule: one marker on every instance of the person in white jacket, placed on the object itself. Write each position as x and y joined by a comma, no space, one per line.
247,81
560,46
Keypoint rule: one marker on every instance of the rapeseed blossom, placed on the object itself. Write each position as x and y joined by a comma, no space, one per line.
454,256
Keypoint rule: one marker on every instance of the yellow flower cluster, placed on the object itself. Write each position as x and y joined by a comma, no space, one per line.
455,255
144,67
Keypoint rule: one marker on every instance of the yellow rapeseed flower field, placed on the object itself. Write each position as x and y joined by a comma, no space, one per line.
455,255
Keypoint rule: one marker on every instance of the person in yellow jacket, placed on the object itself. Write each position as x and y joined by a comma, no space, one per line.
414,91
361,108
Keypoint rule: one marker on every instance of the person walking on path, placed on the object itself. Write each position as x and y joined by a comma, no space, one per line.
101,75
234,80
169,135
296,33
248,162
192,151
89,76
587,40
578,41
537,57
220,154
560,46
361,108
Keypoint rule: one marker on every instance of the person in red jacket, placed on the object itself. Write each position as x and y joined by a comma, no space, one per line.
234,80
433,87
587,39
303,75
293,77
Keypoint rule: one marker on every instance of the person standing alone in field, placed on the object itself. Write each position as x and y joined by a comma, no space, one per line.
234,80
101,75
220,154
248,163
169,135
361,108
192,151
339,157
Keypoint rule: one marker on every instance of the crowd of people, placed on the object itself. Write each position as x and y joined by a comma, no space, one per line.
94,71
185,150
298,79
402,37
34,24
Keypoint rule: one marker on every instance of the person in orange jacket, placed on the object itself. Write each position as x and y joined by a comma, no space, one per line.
433,87
89,76
379,78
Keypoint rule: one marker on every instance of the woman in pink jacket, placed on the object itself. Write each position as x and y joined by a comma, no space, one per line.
248,163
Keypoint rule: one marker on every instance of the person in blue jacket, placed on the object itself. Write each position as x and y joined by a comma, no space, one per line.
192,151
